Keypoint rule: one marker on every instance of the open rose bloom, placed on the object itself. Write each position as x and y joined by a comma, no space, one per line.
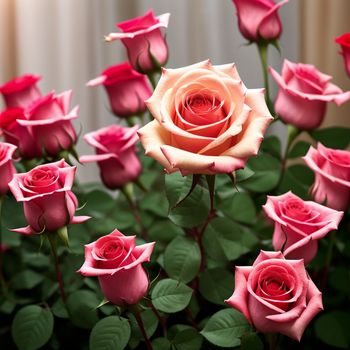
206,120
7,169
344,42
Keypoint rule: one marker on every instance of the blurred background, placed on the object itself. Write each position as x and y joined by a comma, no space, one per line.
62,40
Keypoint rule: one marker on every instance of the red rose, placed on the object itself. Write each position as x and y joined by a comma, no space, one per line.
7,169
344,42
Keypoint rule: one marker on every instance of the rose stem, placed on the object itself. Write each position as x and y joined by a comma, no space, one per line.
2,278
328,259
152,80
136,312
271,340
161,320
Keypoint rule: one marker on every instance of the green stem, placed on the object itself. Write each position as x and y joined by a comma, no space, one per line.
136,312
328,260
2,278
151,77
271,340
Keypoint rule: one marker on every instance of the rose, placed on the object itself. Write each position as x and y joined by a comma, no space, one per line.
143,39
276,295
344,42
115,154
332,176
21,91
126,88
206,120
258,19
7,169
304,93
48,201
117,262
299,224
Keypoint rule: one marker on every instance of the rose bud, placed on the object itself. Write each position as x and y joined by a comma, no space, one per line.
344,42
48,201
127,89
304,93
117,262
115,154
332,176
144,41
276,295
7,169
299,224
259,19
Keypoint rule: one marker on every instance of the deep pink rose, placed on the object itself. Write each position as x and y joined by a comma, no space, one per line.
259,19
299,224
344,42
304,93
7,169
21,91
332,176
48,201
276,295
117,262
127,89
115,154
144,41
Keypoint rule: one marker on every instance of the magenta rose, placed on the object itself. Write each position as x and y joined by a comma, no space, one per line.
332,176
48,201
344,42
127,89
304,93
7,169
117,262
115,154
21,91
276,295
259,19
144,41
299,224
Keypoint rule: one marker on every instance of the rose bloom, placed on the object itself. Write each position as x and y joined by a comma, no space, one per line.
7,169
48,201
299,224
21,91
259,19
117,262
276,295
206,120
344,42
332,176
127,89
144,41
115,154
304,93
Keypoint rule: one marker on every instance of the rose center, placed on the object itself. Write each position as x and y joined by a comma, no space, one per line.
296,209
42,180
111,250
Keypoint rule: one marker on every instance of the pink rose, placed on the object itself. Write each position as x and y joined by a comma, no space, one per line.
258,19
206,120
7,169
115,154
344,42
50,122
299,224
332,176
304,93
117,262
21,91
127,89
276,295
48,201
144,41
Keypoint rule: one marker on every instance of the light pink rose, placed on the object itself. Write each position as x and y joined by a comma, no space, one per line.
7,169
276,295
344,42
144,41
115,154
259,19
127,89
304,93
48,201
21,91
332,176
299,224
206,120
117,262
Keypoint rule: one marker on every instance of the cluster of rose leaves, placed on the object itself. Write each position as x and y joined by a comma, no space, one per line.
207,134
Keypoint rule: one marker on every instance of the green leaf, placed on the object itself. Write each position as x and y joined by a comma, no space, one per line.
251,341
161,344
27,279
225,328
150,323
187,339
272,145
182,259
243,174
32,327
156,203
171,296
110,333
98,203
298,150
164,230
334,137
176,187
59,309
